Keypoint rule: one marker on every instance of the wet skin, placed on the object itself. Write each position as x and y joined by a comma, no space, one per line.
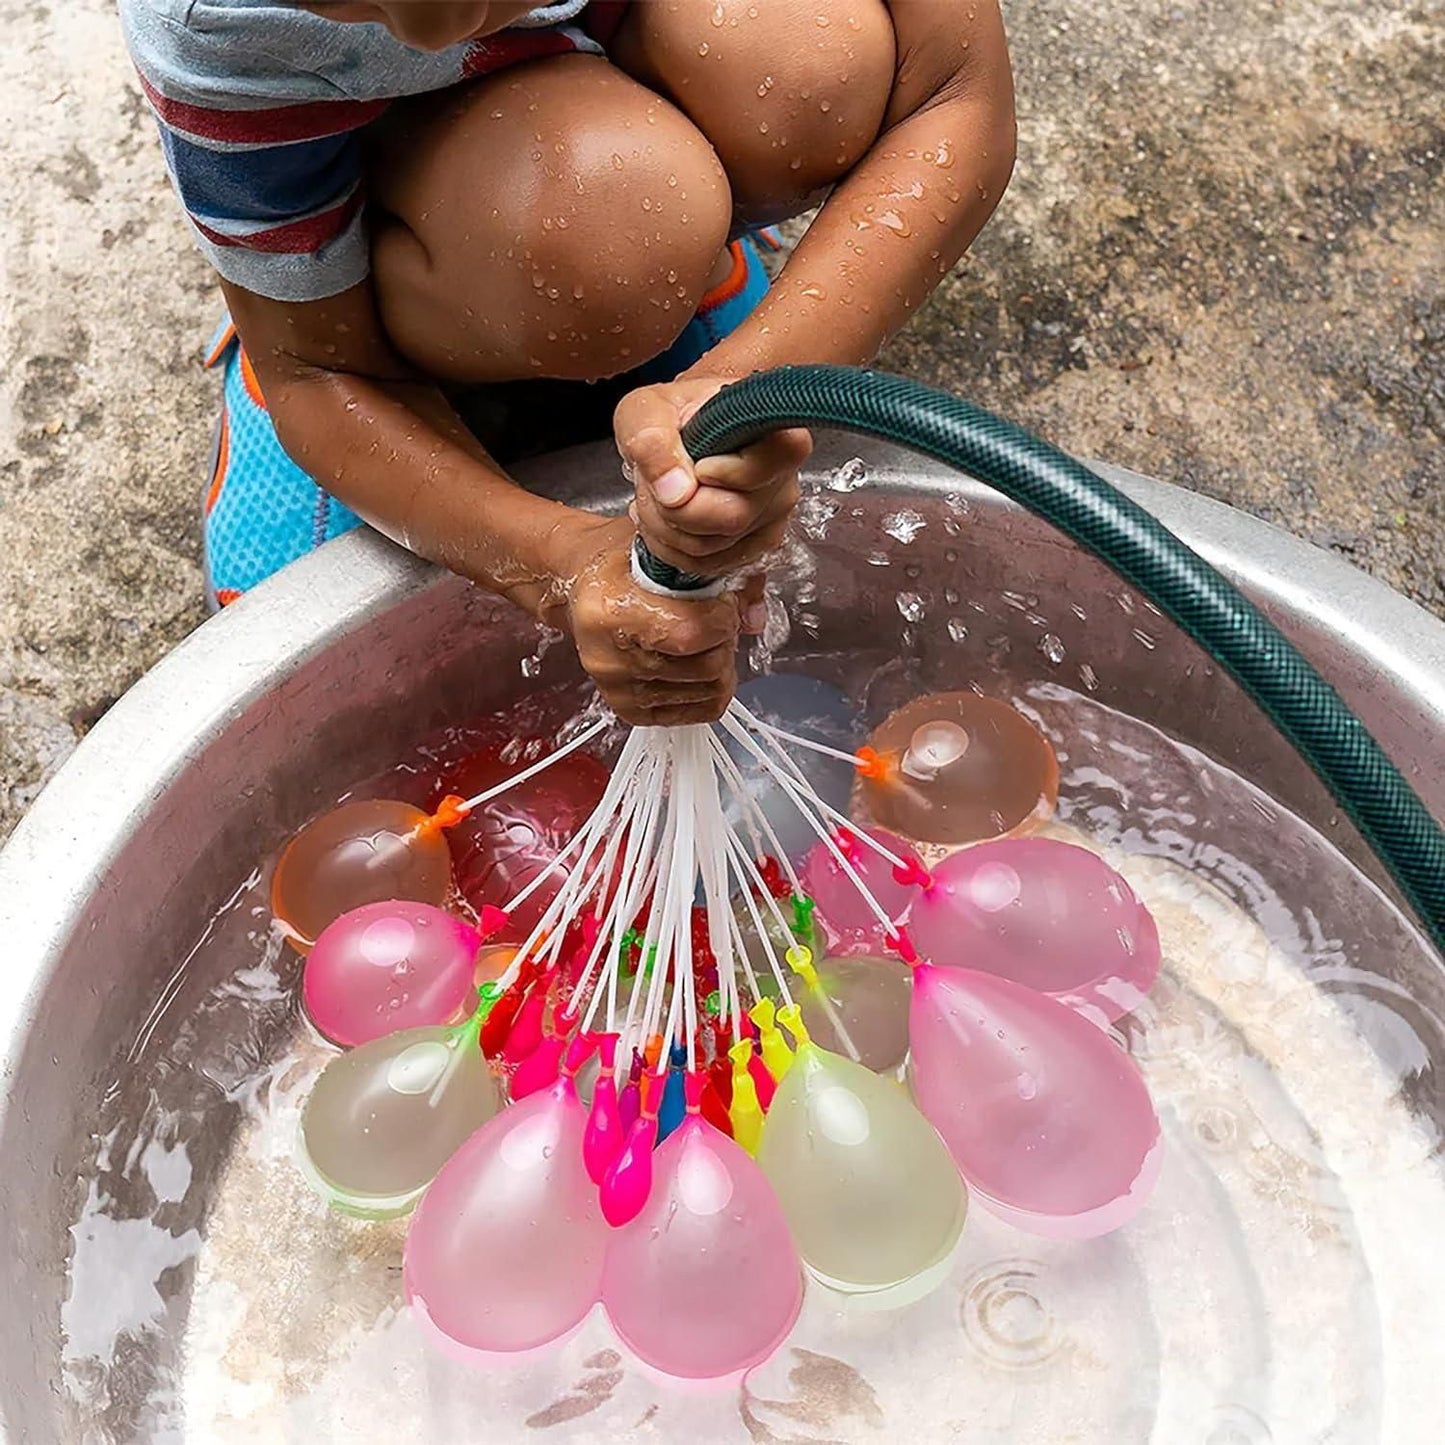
564,218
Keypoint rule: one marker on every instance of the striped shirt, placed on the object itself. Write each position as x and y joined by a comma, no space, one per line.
260,105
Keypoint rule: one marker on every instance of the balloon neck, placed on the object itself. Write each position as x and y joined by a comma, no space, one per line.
772,876
492,921
653,1052
902,944
487,996
791,1018
447,814
578,1051
912,874
803,907
800,959
873,765
693,1084
607,1053
653,1086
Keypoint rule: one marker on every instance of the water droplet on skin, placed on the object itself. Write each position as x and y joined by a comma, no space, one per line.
825,106
898,225
821,21
911,606
616,161
957,629
849,477
1052,647
703,48
719,15
814,293
763,128
879,558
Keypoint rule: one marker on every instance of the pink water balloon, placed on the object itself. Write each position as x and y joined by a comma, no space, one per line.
851,925
1047,1119
388,966
506,1250
706,1281
1043,913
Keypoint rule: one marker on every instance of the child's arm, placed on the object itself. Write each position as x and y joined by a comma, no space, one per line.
389,445
886,236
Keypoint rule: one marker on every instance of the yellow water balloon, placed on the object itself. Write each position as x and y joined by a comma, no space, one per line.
865,1183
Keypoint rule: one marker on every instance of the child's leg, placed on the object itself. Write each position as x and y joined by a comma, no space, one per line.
564,220
789,96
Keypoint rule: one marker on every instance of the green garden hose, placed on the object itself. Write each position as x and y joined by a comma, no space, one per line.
1301,704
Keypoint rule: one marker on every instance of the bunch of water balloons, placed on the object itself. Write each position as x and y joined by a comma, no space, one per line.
724,1058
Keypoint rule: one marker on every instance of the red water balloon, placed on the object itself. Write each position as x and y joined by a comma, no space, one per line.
503,845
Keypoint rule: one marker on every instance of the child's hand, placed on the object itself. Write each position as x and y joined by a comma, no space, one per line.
721,515
656,661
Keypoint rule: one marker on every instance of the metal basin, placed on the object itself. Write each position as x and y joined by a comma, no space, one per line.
1285,1284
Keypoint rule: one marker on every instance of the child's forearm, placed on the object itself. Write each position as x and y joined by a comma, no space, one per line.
396,453
909,209
388,444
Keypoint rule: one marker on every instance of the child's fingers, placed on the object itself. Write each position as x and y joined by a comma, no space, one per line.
715,521
681,629
752,603
760,465
706,666
646,426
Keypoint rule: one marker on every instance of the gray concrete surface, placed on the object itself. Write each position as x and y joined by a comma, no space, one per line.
1220,263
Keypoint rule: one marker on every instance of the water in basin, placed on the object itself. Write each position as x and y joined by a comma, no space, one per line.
212,1297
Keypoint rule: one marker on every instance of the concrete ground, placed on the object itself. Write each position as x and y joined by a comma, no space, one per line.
1220,262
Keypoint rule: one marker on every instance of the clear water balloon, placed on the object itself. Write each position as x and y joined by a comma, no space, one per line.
505,1252
1046,1117
389,966
863,1179
705,1281
860,1004
955,767
364,852
382,1119
1043,913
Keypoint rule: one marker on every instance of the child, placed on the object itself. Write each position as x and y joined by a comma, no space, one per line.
408,198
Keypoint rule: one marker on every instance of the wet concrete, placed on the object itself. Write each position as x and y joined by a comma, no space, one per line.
1220,263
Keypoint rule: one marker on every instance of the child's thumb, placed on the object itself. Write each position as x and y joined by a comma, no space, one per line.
646,427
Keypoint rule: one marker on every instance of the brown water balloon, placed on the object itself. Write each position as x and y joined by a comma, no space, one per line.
955,767
364,852
858,1006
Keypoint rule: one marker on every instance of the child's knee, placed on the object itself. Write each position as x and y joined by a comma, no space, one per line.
570,233
791,96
